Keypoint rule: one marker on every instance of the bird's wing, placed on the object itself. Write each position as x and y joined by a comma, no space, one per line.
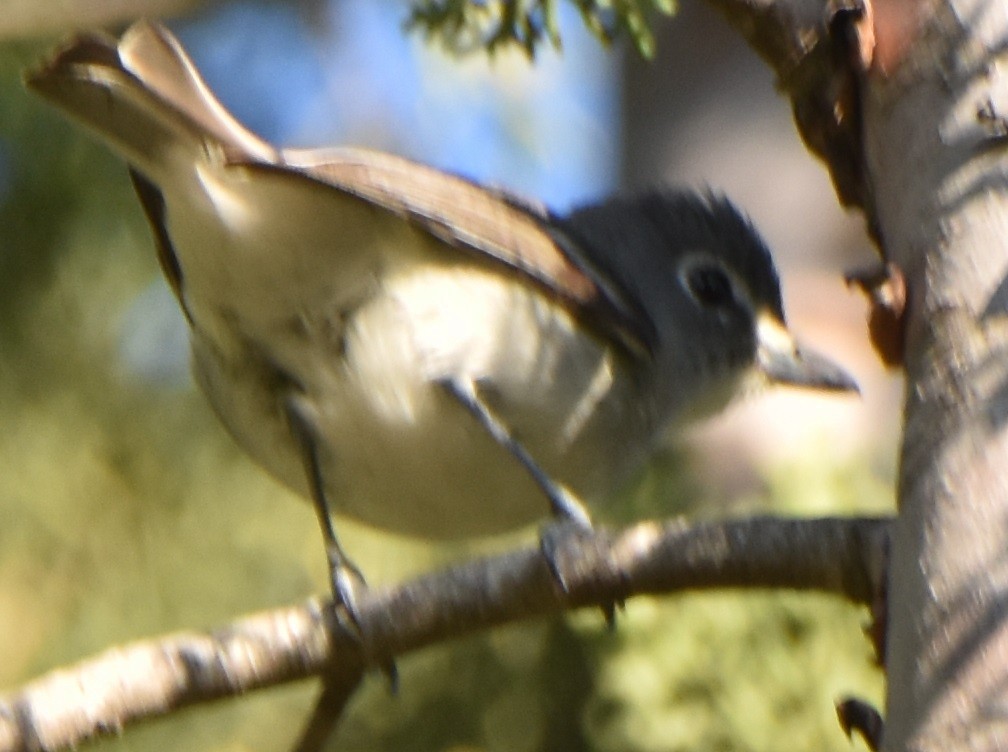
495,224
146,99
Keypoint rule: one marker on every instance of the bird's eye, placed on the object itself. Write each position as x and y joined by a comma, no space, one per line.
710,286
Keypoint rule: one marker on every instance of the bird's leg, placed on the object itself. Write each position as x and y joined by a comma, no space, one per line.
565,506
344,576
568,510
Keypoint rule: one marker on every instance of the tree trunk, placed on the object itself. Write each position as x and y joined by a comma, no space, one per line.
935,137
907,102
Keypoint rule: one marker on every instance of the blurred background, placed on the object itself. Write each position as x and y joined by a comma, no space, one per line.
126,511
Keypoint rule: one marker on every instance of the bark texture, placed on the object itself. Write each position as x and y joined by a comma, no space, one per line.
907,103
935,140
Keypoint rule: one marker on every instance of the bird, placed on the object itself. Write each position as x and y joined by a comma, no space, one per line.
406,347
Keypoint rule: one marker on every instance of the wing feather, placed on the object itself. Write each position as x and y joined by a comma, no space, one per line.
144,96
520,234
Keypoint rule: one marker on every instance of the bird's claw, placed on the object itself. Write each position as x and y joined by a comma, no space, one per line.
568,546
348,584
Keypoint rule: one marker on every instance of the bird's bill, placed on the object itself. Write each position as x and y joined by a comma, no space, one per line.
783,361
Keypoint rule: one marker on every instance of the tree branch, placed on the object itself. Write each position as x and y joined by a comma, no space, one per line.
148,679
818,49
25,18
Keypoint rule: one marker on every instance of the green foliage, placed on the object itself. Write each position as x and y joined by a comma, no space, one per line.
467,25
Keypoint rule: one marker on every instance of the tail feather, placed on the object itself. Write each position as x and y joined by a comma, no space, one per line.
144,97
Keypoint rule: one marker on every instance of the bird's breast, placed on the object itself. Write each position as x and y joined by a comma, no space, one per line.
398,451
365,318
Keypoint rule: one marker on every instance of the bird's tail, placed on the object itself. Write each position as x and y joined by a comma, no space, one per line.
145,98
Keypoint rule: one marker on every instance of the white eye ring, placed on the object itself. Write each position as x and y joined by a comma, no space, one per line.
710,284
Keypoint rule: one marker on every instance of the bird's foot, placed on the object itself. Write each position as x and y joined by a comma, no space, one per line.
348,585
572,548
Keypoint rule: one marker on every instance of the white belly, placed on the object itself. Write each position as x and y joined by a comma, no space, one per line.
397,451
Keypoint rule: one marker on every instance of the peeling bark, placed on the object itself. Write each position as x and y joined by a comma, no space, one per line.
937,173
916,139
